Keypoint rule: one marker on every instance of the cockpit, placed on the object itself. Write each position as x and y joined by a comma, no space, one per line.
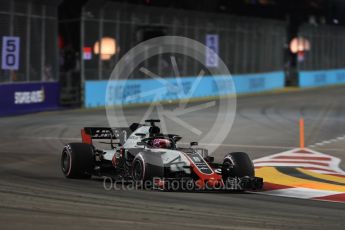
161,143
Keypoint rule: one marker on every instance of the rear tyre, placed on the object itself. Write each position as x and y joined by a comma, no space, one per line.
77,161
237,164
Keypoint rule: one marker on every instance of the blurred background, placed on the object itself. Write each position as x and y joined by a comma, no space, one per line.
55,53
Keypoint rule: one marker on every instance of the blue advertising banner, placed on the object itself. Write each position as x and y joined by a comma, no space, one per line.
19,98
321,78
253,83
124,92
150,90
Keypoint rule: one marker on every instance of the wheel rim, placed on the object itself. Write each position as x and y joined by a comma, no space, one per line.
226,169
65,162
227,164
137,171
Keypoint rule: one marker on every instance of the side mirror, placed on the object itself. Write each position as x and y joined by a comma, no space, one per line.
193,143
176,138
141,143
209,159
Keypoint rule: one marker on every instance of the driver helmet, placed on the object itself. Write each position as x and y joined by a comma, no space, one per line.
161,143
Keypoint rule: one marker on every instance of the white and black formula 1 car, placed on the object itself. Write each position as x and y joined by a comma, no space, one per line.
141,153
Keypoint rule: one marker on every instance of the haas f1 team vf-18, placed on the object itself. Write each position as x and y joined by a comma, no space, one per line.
141,153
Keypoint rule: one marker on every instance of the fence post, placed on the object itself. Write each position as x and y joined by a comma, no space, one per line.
100,35
82,41
28,42
43,41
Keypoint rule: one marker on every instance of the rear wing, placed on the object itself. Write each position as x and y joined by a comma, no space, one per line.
115,135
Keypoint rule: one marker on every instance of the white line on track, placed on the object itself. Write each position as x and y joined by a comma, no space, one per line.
330,149
326,142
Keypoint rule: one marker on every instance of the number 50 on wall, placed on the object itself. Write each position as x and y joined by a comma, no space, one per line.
10,53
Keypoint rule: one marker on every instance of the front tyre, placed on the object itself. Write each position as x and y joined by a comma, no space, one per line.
77,161
237,164
138,169
146,167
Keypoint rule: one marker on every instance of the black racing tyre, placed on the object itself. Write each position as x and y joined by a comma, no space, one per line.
77,160
237,164
146,167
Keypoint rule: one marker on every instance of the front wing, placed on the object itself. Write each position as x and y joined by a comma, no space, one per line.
189,184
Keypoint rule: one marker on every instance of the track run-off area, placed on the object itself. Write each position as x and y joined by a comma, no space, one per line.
304,188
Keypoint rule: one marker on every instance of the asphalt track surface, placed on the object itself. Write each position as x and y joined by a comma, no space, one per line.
35,195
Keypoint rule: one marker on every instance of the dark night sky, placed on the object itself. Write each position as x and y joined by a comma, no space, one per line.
328,11
299,11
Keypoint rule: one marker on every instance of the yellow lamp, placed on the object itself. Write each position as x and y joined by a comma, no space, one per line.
107,45
299,45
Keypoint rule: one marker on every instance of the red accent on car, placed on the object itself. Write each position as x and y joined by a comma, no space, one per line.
86,138
160,183
114,160
122,152
212,180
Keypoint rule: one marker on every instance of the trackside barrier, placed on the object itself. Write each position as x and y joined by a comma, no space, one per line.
321,78
19,98
124,92
253,83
